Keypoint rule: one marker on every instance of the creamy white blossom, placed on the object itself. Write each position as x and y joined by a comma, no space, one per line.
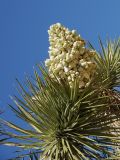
69,59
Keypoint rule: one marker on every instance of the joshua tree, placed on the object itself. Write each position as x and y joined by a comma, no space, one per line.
73,106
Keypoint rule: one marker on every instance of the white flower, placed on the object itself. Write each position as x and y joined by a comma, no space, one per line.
74,31
69,78
76,73
59,66
47,62
69,59
66,69
83,64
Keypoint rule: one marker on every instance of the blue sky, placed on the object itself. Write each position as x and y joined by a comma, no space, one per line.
24,38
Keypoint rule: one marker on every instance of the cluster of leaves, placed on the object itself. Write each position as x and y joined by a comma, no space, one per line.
69,123
108,65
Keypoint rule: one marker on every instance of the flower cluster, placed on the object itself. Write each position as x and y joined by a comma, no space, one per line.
69,59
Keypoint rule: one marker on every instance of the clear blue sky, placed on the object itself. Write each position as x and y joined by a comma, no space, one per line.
24,38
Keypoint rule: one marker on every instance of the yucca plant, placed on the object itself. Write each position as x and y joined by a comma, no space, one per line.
64,122
72,104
